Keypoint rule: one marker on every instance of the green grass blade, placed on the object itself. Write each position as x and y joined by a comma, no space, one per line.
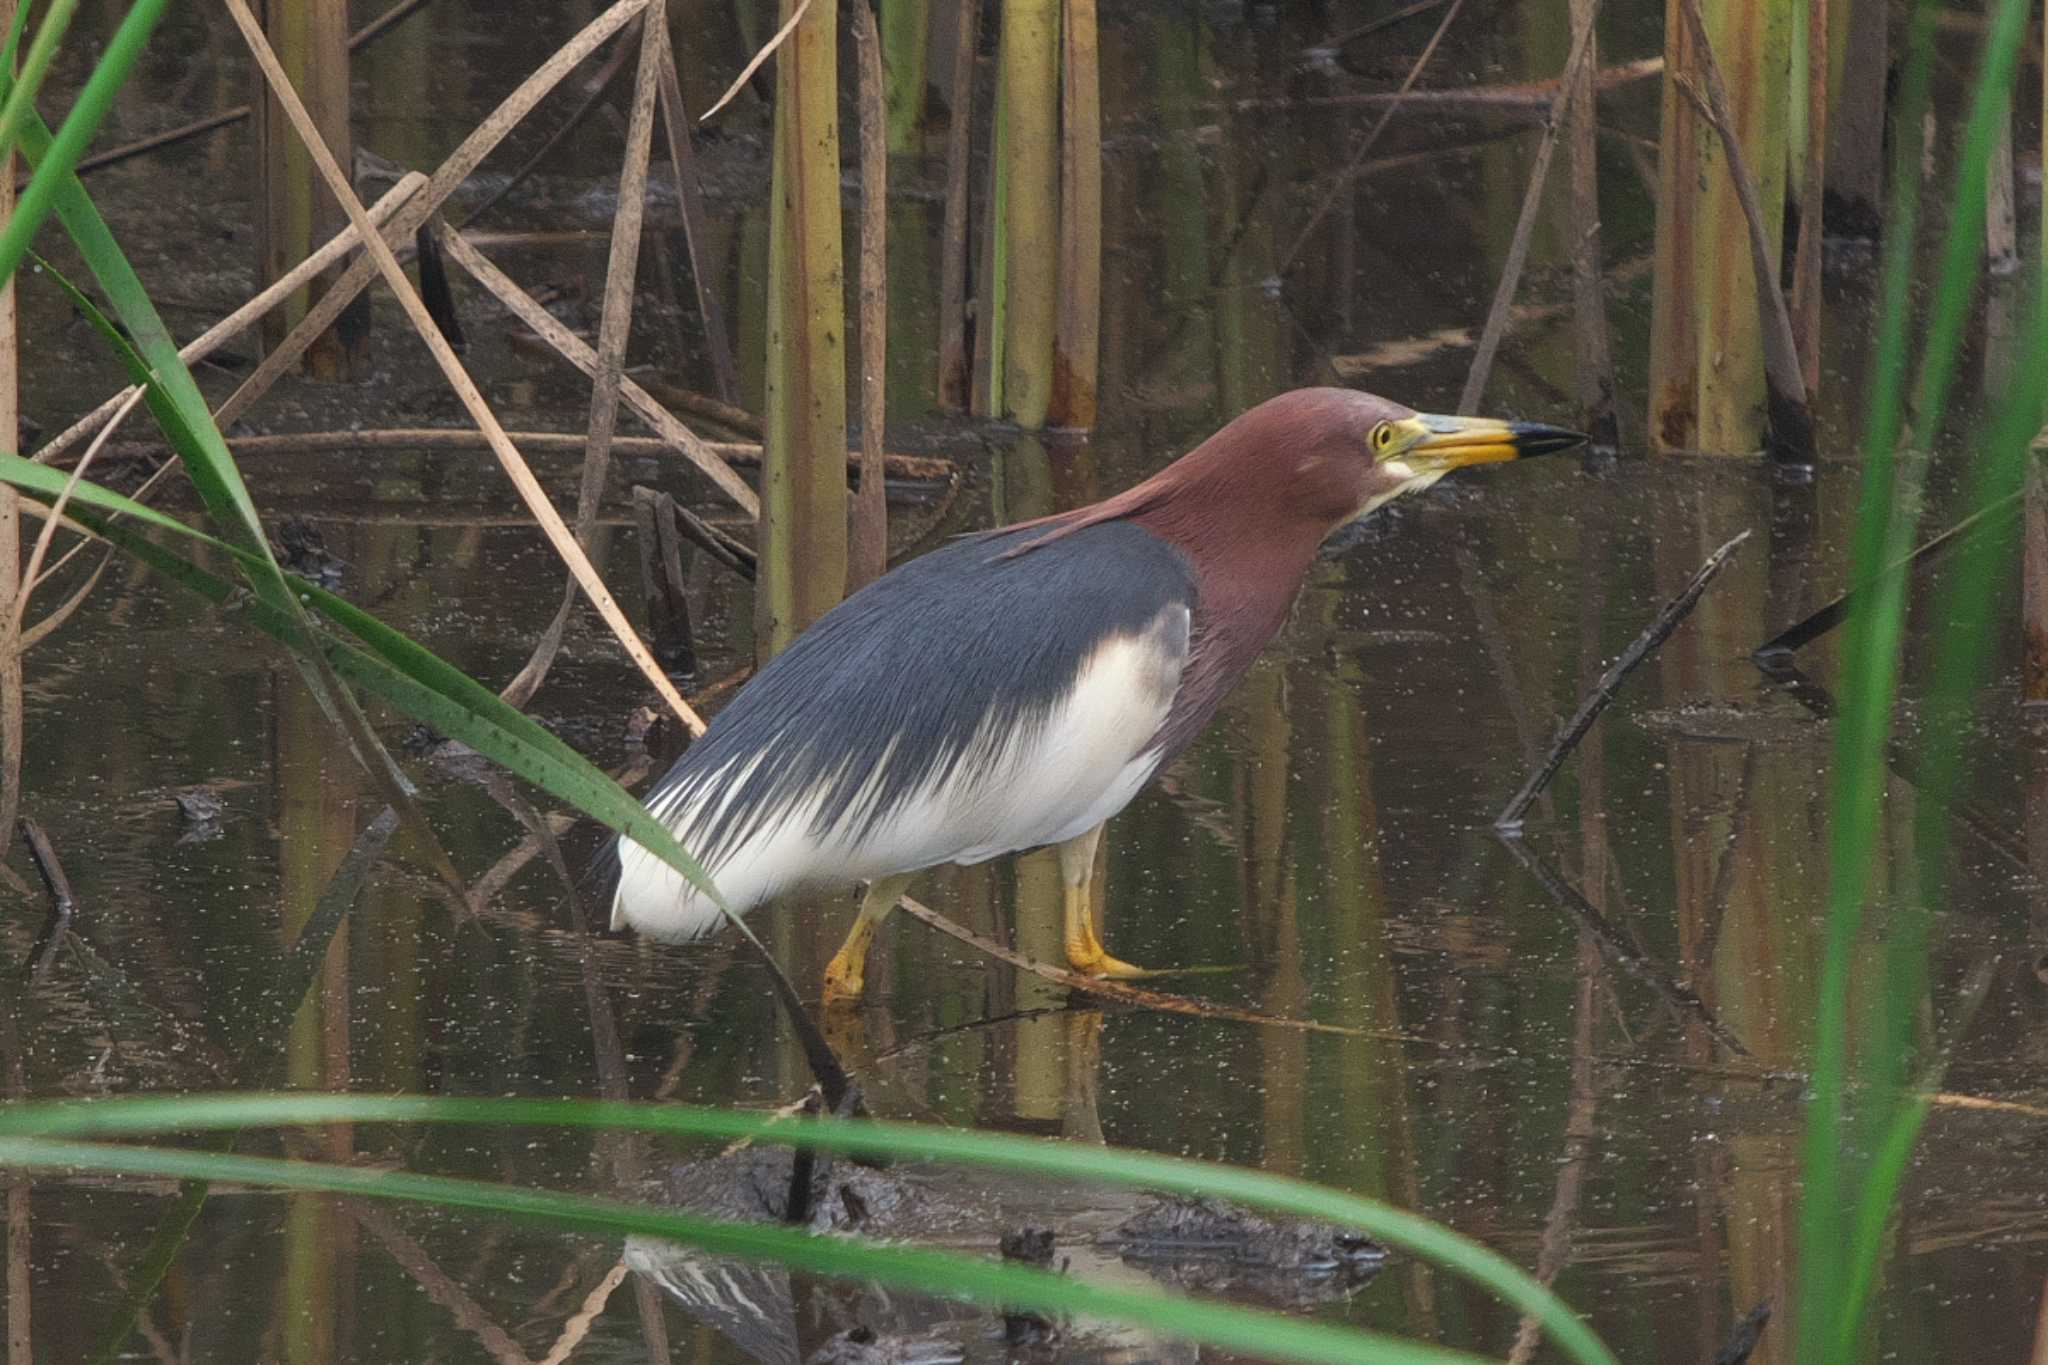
383,661
1070,1161
54,158
933,1272
37,65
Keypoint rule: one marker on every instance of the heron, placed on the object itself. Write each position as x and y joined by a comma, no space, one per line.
1016,688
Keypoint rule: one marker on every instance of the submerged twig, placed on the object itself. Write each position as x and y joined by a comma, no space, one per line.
1656,633
1834,613
63,905
1616,947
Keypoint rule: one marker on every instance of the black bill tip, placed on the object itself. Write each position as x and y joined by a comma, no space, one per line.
1535,438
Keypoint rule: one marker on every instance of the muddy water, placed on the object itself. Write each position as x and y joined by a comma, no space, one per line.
1546,1080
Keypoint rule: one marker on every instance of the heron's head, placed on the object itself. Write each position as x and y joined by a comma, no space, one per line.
1337,454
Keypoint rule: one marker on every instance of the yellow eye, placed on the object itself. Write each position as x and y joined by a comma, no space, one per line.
1382,438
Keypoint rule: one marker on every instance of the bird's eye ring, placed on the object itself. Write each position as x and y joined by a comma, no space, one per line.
1382,437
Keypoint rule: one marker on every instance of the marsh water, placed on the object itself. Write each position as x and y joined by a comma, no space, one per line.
1547,1073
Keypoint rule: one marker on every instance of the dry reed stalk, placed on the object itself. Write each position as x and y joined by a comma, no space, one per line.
207,342
13,594
803,492
615,324
1593,367
445,181
914,468
1673,418
1790,424
1532,198
1030,164
906,40
867,551
1525,97
954,382
1856,123
682,160
458,378
577,352
1806,259
768,50
311,39
11,630
1077,333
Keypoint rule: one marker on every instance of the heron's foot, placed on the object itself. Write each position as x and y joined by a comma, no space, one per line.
1086,955
843,974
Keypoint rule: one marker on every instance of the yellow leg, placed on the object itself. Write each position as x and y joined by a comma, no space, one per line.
1084,949
843,983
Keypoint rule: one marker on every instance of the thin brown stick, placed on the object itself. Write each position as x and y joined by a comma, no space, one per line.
682,160
29,575
747,72
1791,420
578,353
954,377
445,181
1526,97
1593,358
63,904
1077,336
579,1323
199,127
1133,995
595,87
1656,633
458,378
207,342
437,1284
1532,198
1358,155
1806,257
744,454
867,549
614,324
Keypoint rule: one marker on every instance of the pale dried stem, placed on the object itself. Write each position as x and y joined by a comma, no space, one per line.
458,379
445,181
867,551
747,72
1791,421
33,571
577,352
211,340
1518,247
578,1325
615,325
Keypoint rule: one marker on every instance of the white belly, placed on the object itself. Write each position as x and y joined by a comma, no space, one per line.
1079,765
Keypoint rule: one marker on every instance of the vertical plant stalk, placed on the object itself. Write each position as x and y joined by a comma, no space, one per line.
614,328
868,544
11,584
682,154
311,39
1674,420
1790,420
955,386
529,488
1806,259
906,32
1031,61
1861,58
1077,332
2001,227
986,399
1593,358
1518,248
803,466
